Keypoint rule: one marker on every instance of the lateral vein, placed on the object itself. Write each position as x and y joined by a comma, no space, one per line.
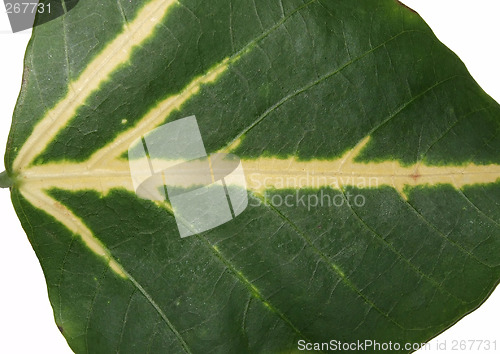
95,74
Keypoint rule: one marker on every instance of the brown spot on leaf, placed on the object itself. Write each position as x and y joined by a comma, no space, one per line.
60,329
415,176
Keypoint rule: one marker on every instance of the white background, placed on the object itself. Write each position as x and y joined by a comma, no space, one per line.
470,28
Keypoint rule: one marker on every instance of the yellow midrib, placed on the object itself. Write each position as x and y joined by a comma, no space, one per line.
105,171
275,173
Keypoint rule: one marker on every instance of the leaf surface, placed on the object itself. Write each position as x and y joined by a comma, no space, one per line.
371,158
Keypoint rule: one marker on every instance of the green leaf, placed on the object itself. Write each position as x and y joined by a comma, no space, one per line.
370,156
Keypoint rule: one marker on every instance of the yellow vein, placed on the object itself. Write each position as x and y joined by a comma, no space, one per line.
291,173
98,71
274,173
61,213
155,117
158,114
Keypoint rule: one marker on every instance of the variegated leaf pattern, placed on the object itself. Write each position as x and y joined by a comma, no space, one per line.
321,100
